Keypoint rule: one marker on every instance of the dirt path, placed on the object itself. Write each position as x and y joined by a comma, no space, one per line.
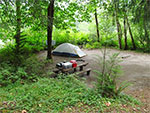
136,66
136,69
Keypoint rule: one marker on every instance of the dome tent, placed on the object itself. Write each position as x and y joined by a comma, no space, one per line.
67,49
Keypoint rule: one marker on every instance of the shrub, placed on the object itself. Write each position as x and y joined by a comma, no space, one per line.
68,36
28,70
95,45
109,41
106,83
10,74
34,40
35,66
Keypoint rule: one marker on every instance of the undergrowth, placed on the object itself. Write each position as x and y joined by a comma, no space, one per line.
57,95
28,69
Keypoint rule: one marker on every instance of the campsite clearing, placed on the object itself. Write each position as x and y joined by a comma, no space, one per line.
136,69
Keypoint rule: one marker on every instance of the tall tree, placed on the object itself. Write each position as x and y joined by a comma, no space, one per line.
13,18
126,9
131,35
119,30
18,26
96,5
146,21
113,7
50,16
92,7
141,17
97,26
125,34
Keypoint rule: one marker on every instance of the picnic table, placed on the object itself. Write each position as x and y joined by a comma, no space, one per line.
79,70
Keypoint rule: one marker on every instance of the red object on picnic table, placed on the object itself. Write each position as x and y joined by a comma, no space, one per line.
74,63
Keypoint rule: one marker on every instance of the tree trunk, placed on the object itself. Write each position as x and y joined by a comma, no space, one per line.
125,34
118,26
18,26
145,22
119,32
130,32
50,15
146,34
97,26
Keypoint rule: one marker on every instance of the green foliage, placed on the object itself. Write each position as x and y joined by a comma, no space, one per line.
55,95
10,74
68,36
95,45
7,53
47,95
109,42
35,40
106,83
31,42
69,15
28,70
35,66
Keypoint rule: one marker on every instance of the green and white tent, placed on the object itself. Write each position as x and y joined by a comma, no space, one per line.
67,49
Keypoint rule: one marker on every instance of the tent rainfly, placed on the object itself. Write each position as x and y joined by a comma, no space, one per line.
67,49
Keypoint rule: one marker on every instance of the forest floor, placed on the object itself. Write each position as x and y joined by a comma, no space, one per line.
136,70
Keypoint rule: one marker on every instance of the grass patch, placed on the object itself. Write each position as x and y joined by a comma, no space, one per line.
57,95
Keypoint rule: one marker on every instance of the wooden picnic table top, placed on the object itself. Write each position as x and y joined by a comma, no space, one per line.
69,69
79,72
79,65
